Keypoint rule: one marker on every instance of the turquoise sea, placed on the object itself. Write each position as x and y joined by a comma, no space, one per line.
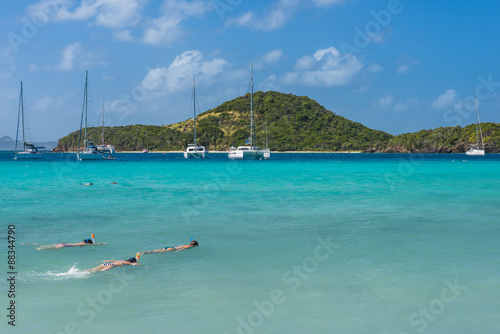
302,243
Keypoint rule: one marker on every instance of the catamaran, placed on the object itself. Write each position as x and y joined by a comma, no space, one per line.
30,151
194,150
90,151
476,149
249,151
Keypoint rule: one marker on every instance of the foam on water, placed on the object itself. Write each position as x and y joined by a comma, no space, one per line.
72,273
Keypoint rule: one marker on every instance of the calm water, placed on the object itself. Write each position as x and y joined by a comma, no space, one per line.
302,243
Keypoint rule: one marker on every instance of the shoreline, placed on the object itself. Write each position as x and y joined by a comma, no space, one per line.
273,152
225,152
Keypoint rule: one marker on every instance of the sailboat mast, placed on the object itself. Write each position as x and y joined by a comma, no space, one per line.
266,136
102,121
251,104
22,115
194,114
19,116
478,125
85,107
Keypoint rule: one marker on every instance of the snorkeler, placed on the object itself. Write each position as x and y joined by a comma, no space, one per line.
192,244
76,244
108,264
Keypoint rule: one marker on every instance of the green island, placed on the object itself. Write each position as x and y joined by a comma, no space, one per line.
288,123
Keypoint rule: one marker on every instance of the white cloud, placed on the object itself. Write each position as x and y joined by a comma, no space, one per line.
364,88
75,56
375,68
403,106
48,103
124,35
403,69
106,13
445,100
166,28
123,15
165,86
180,73
327,67
382,36
406,63
272,57
326,3
274,18
385,102
269,83
276,15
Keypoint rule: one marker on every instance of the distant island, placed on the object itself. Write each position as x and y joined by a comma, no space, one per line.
288,123
9,144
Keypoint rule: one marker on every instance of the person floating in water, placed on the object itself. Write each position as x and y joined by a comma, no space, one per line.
192,244
76,244
109,264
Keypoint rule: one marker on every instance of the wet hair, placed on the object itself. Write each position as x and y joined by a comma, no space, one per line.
194,243
132,260
88,241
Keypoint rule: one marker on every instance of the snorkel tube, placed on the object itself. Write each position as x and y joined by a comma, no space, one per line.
93,238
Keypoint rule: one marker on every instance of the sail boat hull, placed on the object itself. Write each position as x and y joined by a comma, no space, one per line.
248,153
193,151
474,151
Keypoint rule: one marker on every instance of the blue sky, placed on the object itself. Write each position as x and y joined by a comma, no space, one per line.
397,66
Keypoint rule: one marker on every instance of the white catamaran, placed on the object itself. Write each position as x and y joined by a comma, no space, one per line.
194,150
30,151
90,151
477,149
249,151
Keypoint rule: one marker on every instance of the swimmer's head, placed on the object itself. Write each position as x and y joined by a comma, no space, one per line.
88,241
132,260
194,243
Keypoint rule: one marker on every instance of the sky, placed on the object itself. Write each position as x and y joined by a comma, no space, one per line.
393,65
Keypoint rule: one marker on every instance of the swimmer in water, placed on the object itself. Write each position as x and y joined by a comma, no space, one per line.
108,264
192,244
88,184
59,246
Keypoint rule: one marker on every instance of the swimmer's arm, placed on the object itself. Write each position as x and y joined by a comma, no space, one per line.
102,243
153,251
30,243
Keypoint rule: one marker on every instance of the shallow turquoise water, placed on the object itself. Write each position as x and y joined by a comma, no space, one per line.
325,243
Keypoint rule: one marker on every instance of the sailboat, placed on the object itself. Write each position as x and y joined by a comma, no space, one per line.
90,151
30,151
249,151
476,149
194,150
146,150
103,148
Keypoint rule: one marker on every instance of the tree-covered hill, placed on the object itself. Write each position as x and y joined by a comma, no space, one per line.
294,123
446,140
289,123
